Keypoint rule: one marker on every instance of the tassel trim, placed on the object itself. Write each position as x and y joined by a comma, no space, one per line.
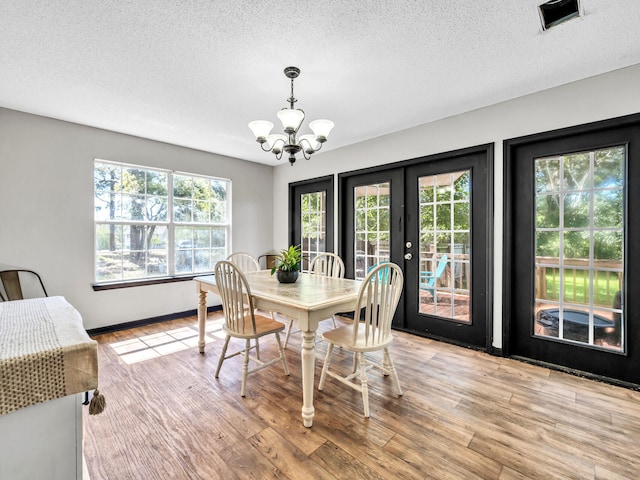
97,404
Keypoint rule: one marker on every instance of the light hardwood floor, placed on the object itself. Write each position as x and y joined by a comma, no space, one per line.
464,414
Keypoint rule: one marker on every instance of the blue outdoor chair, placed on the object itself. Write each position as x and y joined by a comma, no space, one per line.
429,280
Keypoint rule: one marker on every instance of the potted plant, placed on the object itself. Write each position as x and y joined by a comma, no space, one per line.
288,264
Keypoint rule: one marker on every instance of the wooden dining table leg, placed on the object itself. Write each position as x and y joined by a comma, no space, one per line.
308,357
202,317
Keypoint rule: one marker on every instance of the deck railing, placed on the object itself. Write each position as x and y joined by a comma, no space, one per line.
607,280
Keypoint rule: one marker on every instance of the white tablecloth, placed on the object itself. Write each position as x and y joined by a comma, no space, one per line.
45,353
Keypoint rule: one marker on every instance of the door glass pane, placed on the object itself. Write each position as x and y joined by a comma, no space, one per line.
445,245
372,227
579,234
313,223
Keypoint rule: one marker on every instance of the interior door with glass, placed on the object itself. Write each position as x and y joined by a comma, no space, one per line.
428,216
311,217
372,224
573,268
447,249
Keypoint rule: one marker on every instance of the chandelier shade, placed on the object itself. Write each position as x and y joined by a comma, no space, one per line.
261,129
321,129
308,143
291,119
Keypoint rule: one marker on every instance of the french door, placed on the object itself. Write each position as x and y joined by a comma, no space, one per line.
432,217
311,218
572,240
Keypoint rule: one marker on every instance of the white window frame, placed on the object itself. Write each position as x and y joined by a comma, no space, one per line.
171,224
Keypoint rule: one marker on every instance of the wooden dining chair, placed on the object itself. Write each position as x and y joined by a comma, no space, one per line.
328,264
244,261
377,302
242,321
18,284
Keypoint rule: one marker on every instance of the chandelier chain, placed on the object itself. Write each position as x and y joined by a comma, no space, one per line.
292,99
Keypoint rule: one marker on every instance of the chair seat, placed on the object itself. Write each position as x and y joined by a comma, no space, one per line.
342,336
264,326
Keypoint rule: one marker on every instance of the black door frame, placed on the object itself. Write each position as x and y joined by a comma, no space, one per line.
477,332
565,140
309,186
486,150
366,177
396,228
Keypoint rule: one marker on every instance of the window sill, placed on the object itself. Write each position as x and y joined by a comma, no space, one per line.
97,287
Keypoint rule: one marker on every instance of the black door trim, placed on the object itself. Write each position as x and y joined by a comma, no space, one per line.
487,147
510,152
307,186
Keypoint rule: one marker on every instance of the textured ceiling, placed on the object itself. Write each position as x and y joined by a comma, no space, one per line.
194,73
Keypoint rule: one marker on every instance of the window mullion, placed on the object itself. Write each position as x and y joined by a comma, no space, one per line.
171,228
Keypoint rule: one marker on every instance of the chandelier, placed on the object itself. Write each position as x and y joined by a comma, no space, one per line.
291,118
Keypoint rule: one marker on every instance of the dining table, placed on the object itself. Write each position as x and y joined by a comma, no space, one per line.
309,300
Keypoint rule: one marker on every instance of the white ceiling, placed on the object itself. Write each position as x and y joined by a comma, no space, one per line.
195,72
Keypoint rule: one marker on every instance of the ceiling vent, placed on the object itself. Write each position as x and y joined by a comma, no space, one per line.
555,12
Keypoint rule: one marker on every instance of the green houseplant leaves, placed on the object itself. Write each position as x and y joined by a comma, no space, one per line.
288,260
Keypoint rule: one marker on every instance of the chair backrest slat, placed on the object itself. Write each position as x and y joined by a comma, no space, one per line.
328,264
244,261
378,299
237,302
17,283
11,284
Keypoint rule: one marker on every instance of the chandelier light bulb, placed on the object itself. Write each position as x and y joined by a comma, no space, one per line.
276,142
308,143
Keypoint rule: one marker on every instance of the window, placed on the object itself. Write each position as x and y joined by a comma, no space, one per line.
152,223
372,230
445,244
311,217
314,225
579,233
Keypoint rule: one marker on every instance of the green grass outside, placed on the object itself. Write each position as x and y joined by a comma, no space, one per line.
576,286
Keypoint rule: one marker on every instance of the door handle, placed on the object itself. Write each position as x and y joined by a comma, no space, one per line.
408,256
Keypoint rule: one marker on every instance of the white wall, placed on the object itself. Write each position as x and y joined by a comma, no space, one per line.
46,189
46,210
597,98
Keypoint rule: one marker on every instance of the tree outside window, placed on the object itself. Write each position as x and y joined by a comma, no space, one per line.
152,223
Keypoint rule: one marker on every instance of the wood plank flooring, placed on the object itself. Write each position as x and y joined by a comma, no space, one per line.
464,415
